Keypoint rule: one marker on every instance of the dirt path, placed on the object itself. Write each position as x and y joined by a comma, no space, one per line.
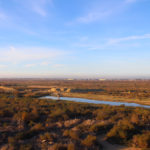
108,146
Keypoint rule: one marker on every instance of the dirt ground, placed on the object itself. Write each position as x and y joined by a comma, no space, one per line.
108,146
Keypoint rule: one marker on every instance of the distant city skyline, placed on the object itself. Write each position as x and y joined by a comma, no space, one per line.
75,39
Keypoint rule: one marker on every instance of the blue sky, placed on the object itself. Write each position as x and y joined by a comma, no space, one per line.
74,38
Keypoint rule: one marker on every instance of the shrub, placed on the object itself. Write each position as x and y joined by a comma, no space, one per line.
142,140
26,135
59,146
47,136
57,115
38,127
6,113
89,141
72,146
135,119
100,128
26,147
121,132
25,116
105,114
12,141
74,135
66,133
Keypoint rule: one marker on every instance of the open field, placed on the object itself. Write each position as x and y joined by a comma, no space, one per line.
137,91
144,101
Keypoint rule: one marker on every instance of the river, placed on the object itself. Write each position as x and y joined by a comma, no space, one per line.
84,100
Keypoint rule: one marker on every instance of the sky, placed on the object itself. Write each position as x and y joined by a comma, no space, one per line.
75,38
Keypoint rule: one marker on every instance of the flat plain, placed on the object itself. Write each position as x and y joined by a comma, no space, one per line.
29,123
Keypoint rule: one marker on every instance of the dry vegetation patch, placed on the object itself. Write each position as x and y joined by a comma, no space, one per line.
34,124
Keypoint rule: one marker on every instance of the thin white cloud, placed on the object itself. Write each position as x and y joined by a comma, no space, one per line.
39,6
3,16
93,16
3,66
129,38
16,55
83,38
30,65
40,11
44,63
112,43
58,65
36,6
91,45
102,10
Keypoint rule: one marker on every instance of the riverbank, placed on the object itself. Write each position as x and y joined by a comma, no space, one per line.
108,98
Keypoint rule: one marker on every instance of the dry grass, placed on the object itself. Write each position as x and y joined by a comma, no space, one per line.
7,89
144,101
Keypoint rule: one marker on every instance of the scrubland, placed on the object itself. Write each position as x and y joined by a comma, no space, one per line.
137,91
30,123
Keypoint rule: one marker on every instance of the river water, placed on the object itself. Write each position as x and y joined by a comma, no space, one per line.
84,100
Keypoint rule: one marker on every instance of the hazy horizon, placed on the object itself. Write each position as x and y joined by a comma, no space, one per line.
75,39
78,77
